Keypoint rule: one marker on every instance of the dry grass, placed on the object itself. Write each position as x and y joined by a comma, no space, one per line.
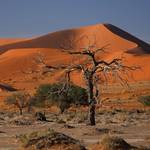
49,139
114,143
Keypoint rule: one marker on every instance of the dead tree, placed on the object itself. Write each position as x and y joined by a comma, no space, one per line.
91,70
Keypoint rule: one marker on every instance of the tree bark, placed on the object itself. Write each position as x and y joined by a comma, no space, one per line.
20,109
92,114
91,100
29,108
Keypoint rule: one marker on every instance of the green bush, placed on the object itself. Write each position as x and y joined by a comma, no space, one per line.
145,100
57,94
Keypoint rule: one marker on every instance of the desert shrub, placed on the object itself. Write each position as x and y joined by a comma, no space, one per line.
19,99
46,139
26,138
81,117
21,120
55,94
77,95
145,100
40,116
114,143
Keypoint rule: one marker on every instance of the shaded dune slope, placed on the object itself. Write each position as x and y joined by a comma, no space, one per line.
145,46
47,41
52,40
6,87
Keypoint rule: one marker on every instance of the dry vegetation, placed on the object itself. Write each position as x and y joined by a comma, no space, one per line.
61,129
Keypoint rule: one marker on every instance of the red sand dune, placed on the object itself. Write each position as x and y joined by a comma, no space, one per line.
18,55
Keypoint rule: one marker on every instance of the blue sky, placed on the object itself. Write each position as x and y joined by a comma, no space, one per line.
26,18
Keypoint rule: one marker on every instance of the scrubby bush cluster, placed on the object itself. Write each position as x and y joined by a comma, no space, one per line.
145,100
20,99
115,143
54,94
46,139
50,95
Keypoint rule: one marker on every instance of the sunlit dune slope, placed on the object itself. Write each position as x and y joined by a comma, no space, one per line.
19,56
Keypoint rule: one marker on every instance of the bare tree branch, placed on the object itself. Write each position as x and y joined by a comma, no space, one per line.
91,70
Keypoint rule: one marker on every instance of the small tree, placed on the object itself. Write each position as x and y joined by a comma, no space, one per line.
19,99
145,100
55,94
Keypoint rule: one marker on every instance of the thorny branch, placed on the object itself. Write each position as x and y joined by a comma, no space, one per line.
91,70
115,67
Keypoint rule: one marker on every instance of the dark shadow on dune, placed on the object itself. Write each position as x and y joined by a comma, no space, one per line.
2,132
138,51
6,87
52,40
145,46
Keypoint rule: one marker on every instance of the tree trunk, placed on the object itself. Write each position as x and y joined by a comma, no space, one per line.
91,100
92,114
40,116
20,109
29,108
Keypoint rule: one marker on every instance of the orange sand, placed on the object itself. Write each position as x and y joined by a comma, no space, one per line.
17,55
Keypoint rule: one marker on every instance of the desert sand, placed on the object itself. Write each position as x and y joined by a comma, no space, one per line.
18,55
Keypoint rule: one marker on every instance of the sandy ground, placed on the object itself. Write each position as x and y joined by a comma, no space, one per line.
133,126
121,114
